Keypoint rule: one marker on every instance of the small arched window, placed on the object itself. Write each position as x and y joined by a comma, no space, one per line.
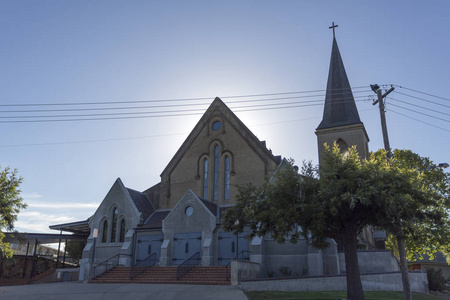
105,231
227,179
114,225
205,179
122,231
342,146
216,174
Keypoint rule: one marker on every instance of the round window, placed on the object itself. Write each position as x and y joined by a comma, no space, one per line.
216,125
189,211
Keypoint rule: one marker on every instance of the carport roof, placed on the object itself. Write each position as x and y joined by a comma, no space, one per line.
41,238
79,227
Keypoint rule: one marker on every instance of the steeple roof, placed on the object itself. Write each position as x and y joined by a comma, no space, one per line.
340,108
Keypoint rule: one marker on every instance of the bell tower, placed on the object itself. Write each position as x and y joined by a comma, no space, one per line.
340,121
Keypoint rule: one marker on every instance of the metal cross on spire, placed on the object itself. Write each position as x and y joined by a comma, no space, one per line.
333,27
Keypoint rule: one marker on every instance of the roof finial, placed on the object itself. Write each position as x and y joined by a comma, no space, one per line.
332,27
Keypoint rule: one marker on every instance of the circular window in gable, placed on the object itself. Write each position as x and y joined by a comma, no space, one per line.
217,125
189,211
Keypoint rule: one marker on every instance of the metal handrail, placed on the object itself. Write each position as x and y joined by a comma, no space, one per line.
106,264
227,266
186,266
143,265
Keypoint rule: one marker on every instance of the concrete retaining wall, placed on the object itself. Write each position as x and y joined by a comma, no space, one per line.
370,282
241,270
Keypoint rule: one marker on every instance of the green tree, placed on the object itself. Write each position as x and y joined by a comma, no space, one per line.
422,237
10,205
74,249
417,217
337,201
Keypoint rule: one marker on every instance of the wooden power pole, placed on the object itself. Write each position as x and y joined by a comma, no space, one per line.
387,147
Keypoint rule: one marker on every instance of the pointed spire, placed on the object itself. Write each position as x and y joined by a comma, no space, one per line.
340,108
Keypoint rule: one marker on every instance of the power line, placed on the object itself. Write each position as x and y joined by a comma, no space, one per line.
423,93
170,105
133,115
418,112
423,107
148,136
168,100
418,120
429,101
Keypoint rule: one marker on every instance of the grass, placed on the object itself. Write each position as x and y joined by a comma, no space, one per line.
336,296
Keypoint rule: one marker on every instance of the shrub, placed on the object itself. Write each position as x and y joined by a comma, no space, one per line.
436,282
285,271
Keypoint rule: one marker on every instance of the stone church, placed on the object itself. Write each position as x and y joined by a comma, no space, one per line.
180,216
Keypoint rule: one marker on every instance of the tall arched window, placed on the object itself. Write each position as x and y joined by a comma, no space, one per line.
122,231
227,179
114,225
216,174
105,231
205,179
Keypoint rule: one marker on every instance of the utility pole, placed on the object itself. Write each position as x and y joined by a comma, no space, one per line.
387,147
380,102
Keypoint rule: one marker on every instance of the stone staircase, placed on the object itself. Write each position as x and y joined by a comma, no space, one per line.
215,275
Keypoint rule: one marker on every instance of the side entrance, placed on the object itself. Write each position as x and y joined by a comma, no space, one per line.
186,245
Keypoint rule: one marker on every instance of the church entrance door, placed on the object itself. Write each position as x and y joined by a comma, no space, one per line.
147,245
230,245
186,245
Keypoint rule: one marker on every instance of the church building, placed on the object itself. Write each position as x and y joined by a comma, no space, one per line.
179,217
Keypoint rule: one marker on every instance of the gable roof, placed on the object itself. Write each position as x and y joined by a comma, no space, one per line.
340,108
142,203
216,108
154,221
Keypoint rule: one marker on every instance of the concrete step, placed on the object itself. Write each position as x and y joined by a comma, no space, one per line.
167,275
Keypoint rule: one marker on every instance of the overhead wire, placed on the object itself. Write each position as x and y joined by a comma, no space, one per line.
423,107
423,93
167,100
418,120
418,112
237,108
177,113
170,105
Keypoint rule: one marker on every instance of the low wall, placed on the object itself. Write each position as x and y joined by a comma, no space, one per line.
373,262
370,282
242,270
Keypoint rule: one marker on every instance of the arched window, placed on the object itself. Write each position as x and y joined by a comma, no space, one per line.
205,179
342,146
114,225
105,231
227,179
216,174
122,231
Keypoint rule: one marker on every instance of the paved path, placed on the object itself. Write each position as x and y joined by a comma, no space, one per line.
81,291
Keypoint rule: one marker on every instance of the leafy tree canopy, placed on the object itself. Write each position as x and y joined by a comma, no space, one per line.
338,200
10,204
428,230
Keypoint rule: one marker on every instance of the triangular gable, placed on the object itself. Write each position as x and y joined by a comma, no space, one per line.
118,184
190,195
218,108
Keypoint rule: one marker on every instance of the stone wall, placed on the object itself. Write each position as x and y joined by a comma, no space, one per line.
370,282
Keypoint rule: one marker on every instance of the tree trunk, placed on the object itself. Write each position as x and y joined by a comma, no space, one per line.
354,285
404,268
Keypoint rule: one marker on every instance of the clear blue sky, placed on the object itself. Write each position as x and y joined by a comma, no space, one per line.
56,52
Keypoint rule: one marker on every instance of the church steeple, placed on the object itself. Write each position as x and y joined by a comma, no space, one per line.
340,122
340,108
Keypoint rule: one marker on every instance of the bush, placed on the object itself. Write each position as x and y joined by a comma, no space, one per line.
285,271
436,282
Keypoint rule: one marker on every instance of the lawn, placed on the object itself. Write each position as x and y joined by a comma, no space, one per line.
337,296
